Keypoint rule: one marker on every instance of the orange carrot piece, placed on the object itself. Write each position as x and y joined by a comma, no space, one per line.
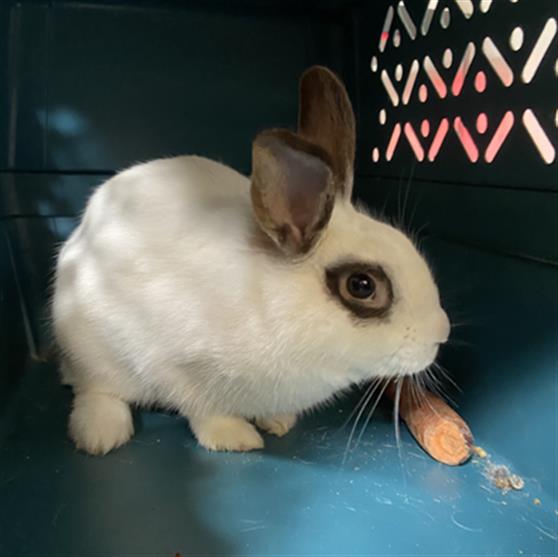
438,429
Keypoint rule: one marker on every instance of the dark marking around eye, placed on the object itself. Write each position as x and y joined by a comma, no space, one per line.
363,288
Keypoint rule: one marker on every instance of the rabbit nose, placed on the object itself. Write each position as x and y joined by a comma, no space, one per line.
441,328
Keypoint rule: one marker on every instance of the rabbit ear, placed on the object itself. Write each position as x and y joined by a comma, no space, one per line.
293,189
326,118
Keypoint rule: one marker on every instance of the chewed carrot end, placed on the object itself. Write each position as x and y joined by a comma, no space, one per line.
438,429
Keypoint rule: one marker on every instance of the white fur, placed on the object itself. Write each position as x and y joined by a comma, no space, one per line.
226,433
163,297
100,423
278,425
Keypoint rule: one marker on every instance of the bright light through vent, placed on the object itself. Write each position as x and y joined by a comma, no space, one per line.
435,77
393,141
466,6
463,69
428,15
408,22
413,72
499,137
482,123
516,39
438,139
539,137
497,61
391,91
414,141
539,50
466,139
480,64
445,18
480,82
385,30
484,5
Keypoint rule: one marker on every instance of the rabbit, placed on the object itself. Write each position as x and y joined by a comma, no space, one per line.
239,303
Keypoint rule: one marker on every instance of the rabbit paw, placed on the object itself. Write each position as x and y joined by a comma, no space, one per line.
100,423
226,433
277,425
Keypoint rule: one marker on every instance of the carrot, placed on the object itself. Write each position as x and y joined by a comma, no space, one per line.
438,429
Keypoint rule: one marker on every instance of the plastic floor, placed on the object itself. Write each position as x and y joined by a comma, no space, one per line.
162,494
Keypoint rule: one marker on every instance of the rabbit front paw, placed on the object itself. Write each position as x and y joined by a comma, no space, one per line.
226,433
278,425
100,423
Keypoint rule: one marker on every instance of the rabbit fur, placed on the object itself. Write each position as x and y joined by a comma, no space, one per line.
190,286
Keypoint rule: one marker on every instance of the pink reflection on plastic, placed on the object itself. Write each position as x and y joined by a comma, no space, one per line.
425,128
480,82
466,140
394,139
463,69
384,35
414,141
438,139
423,93
499,136
482,123
436,79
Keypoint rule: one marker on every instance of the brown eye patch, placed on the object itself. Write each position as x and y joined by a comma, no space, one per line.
363,288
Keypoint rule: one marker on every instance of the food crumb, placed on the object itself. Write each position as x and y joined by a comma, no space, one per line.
503,479
516,482
536,501
480,452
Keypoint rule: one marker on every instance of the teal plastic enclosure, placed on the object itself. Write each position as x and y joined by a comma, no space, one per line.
457,115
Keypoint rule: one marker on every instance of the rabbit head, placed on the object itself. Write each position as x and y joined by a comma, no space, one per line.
368,296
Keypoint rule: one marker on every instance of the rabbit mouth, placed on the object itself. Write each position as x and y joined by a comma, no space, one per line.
412,360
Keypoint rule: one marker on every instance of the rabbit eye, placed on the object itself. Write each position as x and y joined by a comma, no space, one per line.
361,285
363,288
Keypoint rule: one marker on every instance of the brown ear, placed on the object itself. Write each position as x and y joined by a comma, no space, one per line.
293,189
326,118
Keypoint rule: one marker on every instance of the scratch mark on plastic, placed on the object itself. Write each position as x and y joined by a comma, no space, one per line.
462,526
253,528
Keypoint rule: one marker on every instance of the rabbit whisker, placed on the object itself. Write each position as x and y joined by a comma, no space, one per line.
397,400
372,410
357,419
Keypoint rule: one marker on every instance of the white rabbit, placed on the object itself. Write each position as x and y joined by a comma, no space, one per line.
237,300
